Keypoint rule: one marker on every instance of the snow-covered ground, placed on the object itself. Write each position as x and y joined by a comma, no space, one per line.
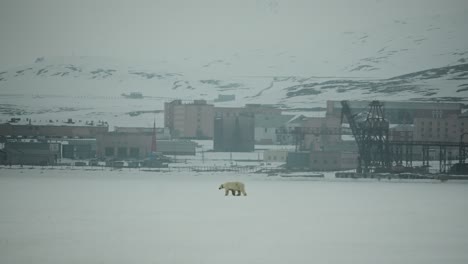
131,216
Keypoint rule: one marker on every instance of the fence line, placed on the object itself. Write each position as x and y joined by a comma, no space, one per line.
242,169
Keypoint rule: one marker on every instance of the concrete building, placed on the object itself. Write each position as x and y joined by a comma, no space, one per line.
79,148
190,120
176,147
285,133
129,145
401,112
322,132
267,126
298,160
31,153
263,109
234,132
225,98
52,128
401,132
3,157
322,160
438,128
162,133
118,145
230,111
332,160
275,155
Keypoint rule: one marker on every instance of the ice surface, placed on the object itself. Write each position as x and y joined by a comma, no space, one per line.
131,216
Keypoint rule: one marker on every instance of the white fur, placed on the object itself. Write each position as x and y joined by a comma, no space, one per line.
238,187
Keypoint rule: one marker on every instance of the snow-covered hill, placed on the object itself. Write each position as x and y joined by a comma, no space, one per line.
92,87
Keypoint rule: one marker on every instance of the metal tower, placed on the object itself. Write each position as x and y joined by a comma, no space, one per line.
371,136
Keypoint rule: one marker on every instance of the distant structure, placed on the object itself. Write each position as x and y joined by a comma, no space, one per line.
234,132
267,125
162,133
371,134
31,153
322,133
120,145
402,112
333,160
52,128
133,95
78,148
138,145
225,98
189,120
440,128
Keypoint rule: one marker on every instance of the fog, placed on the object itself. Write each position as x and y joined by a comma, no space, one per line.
197,32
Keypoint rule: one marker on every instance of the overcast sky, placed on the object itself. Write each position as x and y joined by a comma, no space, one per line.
175,28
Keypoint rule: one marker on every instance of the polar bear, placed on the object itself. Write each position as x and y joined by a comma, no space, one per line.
233,187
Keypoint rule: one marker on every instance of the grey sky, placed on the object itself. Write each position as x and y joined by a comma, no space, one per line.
176,28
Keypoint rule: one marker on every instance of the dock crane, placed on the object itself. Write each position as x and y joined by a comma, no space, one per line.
371,135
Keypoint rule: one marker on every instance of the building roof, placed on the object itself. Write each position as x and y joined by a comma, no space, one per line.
272,120
403,105
298,119
69,122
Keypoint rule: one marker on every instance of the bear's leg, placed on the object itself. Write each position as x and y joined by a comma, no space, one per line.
226,192
238,192
233,192
243,192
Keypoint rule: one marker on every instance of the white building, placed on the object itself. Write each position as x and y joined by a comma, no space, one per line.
266,127
275,155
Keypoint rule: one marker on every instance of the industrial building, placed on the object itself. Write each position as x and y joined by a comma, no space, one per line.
267,126
52,128
31,153
123,145
79,148
402,112
234,133
189,120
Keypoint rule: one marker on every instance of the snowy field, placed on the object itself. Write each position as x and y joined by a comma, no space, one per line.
130,216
